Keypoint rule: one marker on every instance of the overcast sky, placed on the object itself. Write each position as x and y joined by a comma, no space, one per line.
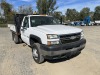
63,4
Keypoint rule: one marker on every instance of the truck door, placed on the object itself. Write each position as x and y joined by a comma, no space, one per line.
25,30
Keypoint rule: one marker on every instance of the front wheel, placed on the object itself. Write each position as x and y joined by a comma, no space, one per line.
37,56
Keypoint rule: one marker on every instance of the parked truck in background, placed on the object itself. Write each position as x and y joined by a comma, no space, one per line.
97,22
47,38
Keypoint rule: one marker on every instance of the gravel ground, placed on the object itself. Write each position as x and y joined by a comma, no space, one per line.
17,59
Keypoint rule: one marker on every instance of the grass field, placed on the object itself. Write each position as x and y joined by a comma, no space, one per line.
3,25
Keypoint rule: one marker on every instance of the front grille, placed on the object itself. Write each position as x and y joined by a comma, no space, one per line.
70,38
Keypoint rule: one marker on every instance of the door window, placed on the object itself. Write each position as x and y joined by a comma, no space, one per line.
26,22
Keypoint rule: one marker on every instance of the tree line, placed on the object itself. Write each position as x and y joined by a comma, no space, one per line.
46,7
74,15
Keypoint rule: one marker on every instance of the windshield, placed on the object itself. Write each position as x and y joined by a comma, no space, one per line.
42,20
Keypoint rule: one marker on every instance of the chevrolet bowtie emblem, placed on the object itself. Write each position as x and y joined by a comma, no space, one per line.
72,37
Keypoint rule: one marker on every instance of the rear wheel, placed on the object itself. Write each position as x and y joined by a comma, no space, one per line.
20,40
37,56
12,36
16,39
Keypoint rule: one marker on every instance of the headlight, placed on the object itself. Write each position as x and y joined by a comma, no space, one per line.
52,36
53,42
82,35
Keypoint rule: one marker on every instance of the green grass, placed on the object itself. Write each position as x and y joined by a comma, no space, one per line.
3,25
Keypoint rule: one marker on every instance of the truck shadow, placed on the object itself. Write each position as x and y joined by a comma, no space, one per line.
63,59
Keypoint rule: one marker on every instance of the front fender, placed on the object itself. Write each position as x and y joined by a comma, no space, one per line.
34,37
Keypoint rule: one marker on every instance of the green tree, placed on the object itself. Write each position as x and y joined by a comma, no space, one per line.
96,15
6,7
63,18
91,15
46,6
84,13
8,12
72,14
57,15
25,9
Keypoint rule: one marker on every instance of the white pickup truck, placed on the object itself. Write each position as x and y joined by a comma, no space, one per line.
47,38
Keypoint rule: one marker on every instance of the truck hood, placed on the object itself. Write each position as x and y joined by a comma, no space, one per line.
58,29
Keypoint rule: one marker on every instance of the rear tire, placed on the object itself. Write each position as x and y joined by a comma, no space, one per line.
12,36
20,40
36,53
16,39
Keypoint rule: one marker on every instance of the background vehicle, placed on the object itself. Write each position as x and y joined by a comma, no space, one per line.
97,22
47,38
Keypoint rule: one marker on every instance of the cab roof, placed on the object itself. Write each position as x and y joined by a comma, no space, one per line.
39,15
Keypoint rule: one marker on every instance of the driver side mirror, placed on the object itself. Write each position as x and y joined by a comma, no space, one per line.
23,28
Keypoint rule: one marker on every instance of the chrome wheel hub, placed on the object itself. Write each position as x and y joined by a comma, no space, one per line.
35,54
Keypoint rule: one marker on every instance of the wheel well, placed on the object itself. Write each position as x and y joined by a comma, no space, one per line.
33,40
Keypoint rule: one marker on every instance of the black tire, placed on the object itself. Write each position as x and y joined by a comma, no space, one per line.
16,39
39,58
20,40
12,36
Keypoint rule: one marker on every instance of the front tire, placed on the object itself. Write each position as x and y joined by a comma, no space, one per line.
36,53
